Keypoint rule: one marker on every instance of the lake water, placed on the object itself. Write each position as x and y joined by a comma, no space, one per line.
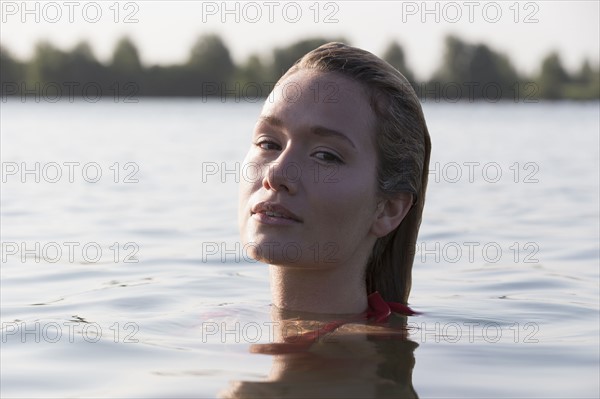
120,274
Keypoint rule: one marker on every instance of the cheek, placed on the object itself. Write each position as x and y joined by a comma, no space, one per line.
342,215
347,204
250,182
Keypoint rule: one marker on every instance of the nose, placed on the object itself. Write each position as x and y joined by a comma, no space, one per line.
283,174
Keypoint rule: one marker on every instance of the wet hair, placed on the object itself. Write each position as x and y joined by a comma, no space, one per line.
403,148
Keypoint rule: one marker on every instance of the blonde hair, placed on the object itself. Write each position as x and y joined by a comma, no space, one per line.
403,148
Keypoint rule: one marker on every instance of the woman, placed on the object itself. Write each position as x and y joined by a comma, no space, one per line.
343,154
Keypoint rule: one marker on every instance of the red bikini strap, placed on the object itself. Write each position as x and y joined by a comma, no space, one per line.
380,310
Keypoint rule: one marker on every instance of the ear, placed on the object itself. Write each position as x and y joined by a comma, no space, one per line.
390,213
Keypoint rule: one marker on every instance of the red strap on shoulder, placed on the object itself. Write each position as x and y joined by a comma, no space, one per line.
402,309
380,310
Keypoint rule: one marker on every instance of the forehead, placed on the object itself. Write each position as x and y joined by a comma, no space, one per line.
309,97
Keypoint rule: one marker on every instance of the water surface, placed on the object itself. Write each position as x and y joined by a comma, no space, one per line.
506,273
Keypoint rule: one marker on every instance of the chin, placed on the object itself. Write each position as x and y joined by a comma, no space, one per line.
292,254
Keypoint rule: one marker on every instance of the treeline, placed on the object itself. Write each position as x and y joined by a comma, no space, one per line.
468,72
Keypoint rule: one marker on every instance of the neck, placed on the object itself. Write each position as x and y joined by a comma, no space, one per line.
334,290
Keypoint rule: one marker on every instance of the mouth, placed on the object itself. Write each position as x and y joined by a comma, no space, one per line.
273,213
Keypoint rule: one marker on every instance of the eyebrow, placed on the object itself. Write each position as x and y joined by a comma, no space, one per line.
317,130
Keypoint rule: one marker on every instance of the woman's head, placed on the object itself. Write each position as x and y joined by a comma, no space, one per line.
342,145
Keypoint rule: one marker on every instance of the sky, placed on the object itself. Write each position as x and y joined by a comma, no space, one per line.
164,31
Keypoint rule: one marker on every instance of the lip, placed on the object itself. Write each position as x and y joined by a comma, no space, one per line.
283,216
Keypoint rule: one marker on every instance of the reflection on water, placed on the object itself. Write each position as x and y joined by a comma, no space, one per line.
506,272
352,361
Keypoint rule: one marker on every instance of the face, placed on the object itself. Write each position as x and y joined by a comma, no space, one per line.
308,195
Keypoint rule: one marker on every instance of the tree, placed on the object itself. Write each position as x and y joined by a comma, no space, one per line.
455,62
394,55
125,59
210,60
11,70
83,67
253,70
553,77
585,74
584,85
476,70
48,65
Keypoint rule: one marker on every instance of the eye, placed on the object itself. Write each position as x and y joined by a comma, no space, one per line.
268,145
328,157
